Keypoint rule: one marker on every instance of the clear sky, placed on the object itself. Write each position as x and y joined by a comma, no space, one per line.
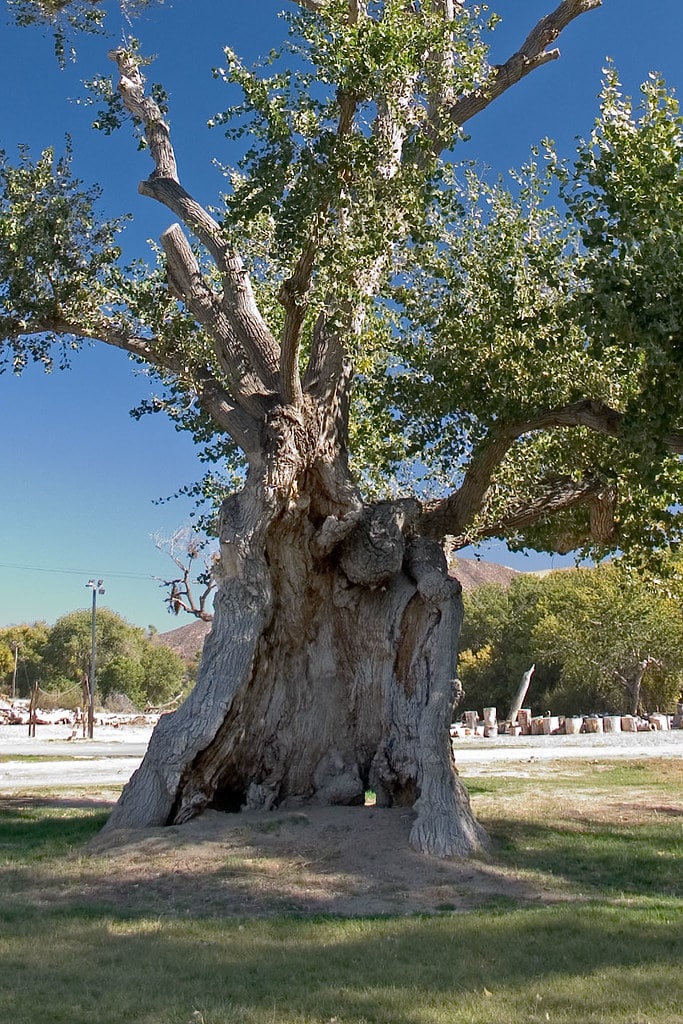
78,477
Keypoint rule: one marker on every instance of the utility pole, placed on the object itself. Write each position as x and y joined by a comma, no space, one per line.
96,588
14,674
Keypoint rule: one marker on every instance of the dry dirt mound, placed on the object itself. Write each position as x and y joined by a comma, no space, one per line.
343,860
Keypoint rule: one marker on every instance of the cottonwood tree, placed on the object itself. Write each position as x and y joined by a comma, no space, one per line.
602,639
617,641
399,352
128,662
25,642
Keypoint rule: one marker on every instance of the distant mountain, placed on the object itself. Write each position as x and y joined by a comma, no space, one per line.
187,641
473,573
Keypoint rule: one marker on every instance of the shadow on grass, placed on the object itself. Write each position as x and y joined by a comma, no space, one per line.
613,859
32,829
403,971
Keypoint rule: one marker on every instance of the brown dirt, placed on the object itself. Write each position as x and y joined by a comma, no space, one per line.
343,860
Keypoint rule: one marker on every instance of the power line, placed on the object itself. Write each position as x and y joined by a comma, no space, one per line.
78,572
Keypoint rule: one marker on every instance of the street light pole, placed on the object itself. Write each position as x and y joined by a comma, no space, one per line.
97,588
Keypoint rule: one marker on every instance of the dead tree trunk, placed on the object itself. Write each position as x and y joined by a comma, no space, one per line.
520,695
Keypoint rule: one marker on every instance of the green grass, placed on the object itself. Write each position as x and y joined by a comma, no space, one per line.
611,955
624,850
31,830
591,963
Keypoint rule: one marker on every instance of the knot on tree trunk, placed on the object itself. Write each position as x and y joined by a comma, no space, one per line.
374,552
426,562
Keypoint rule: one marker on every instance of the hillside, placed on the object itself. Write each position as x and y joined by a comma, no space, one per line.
473,573
185,641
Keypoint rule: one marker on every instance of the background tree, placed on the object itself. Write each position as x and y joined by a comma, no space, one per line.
128,662
602,640
617,642
30,639
359,323
497,645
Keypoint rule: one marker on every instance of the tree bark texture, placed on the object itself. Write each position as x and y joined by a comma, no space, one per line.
329,670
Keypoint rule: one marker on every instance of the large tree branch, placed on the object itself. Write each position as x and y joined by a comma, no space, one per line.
239,304
186,282
453,514
558,497
211,395
532,54
108,331
294,299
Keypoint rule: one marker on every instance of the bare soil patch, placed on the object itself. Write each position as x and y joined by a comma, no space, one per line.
350,861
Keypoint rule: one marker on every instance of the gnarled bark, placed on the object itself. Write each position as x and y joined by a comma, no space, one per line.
329,671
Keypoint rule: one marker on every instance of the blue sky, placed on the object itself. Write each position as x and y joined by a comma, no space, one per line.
79,477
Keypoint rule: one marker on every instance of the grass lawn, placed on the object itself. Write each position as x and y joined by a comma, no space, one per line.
606,947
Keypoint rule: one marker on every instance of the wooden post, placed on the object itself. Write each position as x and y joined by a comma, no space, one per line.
490,722
471,719
516,705
524,719
86,704
32,705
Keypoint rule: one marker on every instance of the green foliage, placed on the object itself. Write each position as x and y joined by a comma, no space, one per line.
496,645
30,641
128,662
54,257
163,674
65,19
616,639
601,640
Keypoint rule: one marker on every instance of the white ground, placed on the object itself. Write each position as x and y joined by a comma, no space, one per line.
115,752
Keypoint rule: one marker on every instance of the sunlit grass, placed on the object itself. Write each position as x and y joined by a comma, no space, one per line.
608,950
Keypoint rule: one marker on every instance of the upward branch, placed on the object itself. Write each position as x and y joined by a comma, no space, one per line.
241,323
532,54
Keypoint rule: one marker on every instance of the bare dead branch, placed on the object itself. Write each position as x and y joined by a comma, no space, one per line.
181,595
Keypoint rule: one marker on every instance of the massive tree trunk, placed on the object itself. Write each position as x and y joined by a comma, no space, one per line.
329,669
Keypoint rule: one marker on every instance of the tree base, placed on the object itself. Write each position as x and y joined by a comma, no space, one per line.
313,689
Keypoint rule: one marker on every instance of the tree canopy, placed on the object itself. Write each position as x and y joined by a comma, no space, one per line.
601,640
58,657
514,346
